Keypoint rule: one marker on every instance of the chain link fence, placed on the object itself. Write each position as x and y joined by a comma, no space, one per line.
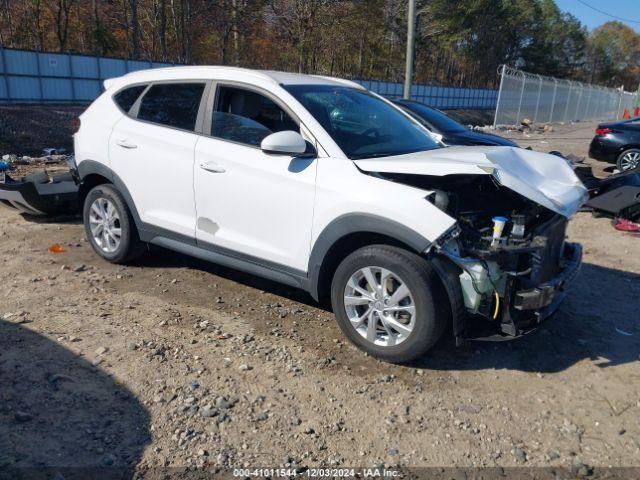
542,99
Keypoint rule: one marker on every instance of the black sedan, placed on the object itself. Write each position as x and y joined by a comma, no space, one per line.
453,133
619,143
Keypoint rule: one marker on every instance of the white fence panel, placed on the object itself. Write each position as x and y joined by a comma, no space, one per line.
27,76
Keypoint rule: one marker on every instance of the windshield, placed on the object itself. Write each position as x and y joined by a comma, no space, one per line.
434,117
362,125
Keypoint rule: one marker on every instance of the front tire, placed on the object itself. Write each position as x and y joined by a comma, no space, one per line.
109,225
628,160
389,302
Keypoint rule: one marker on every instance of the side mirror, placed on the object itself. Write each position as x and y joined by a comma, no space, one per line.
287,142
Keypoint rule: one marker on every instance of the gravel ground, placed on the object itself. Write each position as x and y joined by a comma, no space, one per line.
171,362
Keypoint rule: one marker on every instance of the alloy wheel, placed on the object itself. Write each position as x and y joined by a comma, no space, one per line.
104,222
380,306
630,160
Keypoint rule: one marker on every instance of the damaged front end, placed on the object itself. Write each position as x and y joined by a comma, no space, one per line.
505,263
513,263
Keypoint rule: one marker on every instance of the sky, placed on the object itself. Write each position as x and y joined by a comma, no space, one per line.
627,9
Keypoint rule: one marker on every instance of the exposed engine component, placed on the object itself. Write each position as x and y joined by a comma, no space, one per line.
481,205
440,199
498,228
479,282
506,246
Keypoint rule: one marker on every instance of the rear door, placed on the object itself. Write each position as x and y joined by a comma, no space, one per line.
151,150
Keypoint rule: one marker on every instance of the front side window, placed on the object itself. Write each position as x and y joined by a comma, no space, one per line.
172,104
362,125
247,117
127,97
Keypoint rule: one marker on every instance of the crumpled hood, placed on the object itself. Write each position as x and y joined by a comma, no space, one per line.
545,179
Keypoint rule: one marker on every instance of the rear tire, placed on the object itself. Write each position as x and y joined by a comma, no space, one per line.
109,225
628,160
382,320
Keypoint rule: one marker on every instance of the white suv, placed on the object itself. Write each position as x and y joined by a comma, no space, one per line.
319,184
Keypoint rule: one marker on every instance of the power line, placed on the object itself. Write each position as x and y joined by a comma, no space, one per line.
607,14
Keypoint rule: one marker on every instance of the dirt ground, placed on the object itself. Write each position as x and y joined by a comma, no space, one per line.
172,362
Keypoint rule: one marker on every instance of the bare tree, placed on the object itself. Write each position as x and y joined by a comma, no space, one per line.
6,13
135,29
163,30
223,17
37,17
61,25
299,21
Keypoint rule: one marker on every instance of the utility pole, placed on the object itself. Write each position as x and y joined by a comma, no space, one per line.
411,44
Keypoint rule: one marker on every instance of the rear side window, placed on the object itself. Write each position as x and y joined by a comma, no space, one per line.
172,104
127,97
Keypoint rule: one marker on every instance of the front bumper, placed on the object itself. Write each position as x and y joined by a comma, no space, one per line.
545,295
524,308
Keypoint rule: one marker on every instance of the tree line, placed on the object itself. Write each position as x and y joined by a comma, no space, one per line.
459,42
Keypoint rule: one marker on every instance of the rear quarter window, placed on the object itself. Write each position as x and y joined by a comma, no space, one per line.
127,97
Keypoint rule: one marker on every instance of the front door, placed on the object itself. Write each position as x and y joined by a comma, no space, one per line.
254,204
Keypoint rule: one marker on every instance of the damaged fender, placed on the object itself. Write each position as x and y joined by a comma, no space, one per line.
512,279
545,179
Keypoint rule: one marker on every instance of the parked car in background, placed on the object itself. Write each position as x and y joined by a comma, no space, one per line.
616,196
619,143
453,133
319,184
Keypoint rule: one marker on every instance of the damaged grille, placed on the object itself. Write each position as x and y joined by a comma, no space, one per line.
545,262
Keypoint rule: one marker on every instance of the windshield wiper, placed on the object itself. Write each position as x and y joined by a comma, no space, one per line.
389,154
372,155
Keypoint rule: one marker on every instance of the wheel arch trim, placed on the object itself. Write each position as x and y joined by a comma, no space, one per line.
88,167
357,223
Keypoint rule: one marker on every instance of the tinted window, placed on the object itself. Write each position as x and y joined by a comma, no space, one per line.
172,104
433,117
127,97
247,117
420,119
363,125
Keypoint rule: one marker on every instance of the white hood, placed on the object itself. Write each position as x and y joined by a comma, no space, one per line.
545,179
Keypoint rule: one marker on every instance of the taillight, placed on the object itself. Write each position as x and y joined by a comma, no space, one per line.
75,124
603,131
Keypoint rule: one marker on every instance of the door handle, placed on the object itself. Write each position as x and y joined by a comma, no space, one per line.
124,143
212,167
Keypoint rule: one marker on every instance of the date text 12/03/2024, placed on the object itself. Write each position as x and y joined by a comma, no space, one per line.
316,472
